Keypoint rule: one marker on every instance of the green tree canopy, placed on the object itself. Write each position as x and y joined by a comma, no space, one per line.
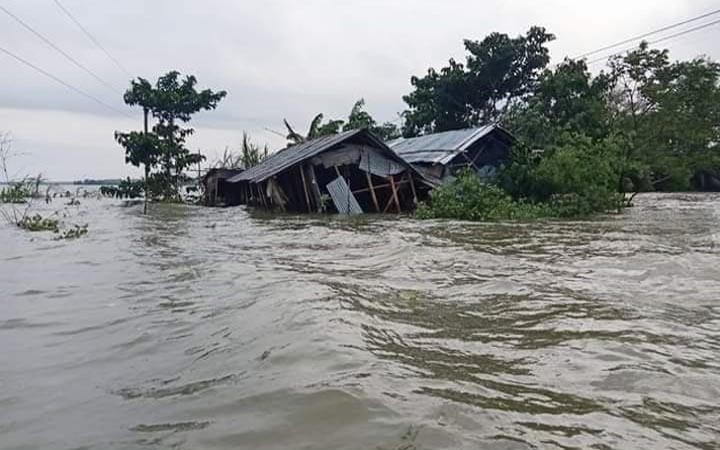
498,71
173,99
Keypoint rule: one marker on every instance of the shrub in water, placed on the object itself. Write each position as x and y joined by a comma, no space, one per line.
469,198
39,223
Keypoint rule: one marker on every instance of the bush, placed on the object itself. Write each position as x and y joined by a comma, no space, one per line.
580,180
75,232
15,193
469,198
577,178
127,189
39,223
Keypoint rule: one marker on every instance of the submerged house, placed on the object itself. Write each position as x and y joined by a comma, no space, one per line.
216,190
348,173
440,156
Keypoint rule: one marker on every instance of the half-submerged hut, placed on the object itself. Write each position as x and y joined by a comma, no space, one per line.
440,156
348,173
216,190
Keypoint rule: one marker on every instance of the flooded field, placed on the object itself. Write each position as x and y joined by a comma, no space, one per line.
199,328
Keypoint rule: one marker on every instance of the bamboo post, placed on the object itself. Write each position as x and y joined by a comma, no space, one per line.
278,196
315,188
394,192
305,188
261,189
260,200
388,205
372,191
412,187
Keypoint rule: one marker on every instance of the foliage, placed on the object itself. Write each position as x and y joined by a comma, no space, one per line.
577,177
39,223
670,112
567,99
498,71
469,198
251,154
172,100
357,119
126,189
17,192
77,231
317,129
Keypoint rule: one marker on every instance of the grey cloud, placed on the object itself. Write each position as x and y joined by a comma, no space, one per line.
283,58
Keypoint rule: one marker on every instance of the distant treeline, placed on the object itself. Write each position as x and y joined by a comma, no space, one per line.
99,182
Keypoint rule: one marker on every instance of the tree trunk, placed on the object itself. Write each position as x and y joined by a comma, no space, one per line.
147,168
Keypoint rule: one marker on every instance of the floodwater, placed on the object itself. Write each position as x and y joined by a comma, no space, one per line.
199,328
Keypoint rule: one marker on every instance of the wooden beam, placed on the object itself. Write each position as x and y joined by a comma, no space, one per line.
315,188
388,205
305,188
412,187
394,192
372,191
261,193
278,196
379,186
470,162
216,191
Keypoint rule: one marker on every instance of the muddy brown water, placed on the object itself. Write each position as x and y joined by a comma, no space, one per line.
198,328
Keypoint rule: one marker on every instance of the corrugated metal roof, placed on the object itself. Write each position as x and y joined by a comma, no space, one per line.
440,148
344,200
288,157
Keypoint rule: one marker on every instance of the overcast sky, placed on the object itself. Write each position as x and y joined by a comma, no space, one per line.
276,59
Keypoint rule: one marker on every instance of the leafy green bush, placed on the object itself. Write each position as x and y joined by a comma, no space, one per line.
577,178
469,198
127,189
580,179
15,193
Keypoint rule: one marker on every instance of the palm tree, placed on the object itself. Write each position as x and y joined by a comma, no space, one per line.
317,129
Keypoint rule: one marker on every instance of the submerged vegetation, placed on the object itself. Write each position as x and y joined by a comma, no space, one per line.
39,223
126,189
16,201
17,192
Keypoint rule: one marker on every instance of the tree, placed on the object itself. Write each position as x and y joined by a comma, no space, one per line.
566,99
316,130
498,71
250,155
172,100
357,119
669,112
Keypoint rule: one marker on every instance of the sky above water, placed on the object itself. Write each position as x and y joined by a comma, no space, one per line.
276,58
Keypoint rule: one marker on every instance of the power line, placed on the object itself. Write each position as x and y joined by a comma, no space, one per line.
92,38
59,50
58,80
650,33
657,41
